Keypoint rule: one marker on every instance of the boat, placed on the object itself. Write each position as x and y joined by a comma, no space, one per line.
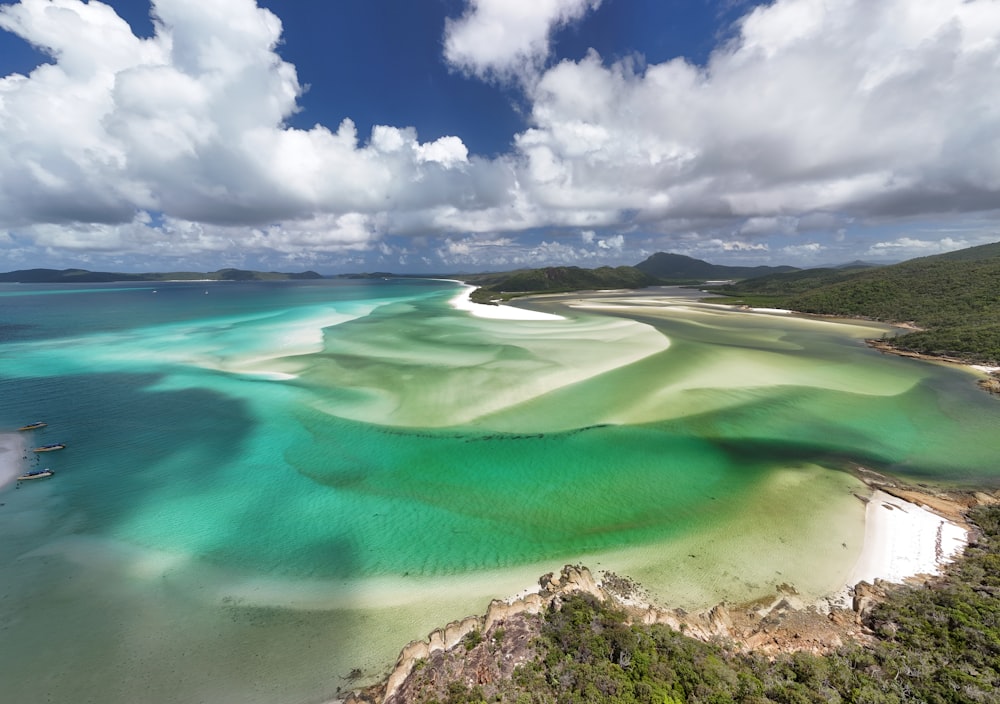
33,426
50,448
36,474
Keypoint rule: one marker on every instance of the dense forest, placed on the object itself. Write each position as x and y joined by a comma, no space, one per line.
953,298
938,644
556,279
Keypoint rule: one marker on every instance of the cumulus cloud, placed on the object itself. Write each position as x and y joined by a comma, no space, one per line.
875,108
907,247
815,117
504,39
616,242
191,123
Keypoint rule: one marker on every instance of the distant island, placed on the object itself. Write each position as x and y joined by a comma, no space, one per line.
70,276
948,304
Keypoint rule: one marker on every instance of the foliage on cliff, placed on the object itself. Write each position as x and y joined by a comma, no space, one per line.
557,279
938,644
954,298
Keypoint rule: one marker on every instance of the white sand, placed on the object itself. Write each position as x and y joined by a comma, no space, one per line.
501,312
12,449
778,311
903,540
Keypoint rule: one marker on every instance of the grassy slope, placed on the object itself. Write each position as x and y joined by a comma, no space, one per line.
954,298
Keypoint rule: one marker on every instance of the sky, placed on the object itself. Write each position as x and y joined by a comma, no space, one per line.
449,136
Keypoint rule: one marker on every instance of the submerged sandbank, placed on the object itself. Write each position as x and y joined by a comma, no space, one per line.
12,451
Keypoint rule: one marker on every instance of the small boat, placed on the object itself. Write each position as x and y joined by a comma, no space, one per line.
33,426
36,474
50,448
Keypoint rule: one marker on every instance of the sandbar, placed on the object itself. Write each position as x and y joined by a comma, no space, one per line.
501,312
904,540
12,450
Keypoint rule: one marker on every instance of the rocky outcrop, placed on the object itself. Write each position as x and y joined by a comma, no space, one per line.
572,579
481,649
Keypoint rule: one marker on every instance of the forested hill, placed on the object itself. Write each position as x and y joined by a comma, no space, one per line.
677,267
69,276
954,298
557,279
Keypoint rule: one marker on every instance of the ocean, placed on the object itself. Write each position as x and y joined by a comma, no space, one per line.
270,487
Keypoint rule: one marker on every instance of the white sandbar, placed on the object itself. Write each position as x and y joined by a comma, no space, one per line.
502,312
903,540
12,449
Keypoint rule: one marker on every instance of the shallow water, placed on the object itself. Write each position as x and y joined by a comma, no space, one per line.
269,485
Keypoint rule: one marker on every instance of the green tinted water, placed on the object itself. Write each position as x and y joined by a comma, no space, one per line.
267,486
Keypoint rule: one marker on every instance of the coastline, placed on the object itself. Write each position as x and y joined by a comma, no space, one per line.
904,541
989,380
462,301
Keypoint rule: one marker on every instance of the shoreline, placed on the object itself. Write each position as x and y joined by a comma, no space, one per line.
905,540
501,311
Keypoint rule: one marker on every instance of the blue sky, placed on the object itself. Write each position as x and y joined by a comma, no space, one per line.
467,135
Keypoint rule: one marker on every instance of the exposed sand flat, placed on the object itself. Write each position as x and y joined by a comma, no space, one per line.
903,540
12,449
501,312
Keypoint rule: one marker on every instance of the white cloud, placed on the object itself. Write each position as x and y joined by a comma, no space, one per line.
868,107
508,38
617,242
817,117
908,247
190,123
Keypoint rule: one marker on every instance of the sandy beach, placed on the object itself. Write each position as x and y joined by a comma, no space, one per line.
499,312
903,540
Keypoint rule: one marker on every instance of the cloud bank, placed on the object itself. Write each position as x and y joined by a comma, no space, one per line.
816,118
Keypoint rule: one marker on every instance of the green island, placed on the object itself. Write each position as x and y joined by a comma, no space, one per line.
953,300
948,305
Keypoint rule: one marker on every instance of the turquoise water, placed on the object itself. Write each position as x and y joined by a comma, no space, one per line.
269,484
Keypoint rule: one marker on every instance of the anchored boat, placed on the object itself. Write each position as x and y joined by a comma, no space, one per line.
36,474
50,448
33,426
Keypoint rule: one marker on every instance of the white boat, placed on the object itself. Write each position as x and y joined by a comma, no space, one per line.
36,474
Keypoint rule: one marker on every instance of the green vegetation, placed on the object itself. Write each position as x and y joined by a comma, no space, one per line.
954,298
556,279
80,276
676,268
938,644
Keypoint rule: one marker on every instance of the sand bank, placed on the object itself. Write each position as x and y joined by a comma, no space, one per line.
12,451
501,312
903,540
